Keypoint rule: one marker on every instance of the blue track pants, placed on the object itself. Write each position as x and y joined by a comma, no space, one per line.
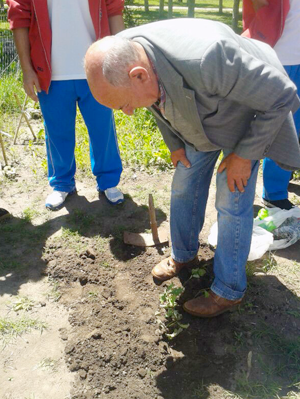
276,180
59,112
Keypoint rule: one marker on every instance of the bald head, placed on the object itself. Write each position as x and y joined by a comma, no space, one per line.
115,66
112,58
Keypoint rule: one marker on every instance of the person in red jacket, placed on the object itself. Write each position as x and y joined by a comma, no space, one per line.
276,22
51,38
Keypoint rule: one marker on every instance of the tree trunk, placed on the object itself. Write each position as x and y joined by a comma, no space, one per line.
161,7
146,6
191,8
235,15
220,6
170,9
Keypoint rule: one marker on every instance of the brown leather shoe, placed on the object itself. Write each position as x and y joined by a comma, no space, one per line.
169,268
211,306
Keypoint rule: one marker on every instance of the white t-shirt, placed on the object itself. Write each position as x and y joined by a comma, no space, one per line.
72,33
288,46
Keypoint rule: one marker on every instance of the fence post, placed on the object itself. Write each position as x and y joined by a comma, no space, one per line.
170,9
235,14
161,7
191,8
220,6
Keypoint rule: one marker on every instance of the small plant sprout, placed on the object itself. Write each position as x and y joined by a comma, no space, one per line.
168,301
22,303
197,273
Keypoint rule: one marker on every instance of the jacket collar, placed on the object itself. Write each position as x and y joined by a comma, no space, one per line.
182,96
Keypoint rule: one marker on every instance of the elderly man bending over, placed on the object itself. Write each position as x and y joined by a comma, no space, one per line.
210,90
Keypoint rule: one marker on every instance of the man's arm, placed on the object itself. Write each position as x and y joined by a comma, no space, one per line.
30,78
229,72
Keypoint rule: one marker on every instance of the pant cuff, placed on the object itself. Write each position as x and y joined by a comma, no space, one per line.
226,292
183,256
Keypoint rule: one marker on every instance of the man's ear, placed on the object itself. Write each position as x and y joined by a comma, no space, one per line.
138,75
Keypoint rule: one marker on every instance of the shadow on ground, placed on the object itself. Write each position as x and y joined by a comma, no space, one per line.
23,244
250,353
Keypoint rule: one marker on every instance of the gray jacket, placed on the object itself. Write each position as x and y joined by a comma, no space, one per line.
232,91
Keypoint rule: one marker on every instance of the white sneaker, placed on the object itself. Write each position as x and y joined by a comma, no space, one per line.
114,195
56,199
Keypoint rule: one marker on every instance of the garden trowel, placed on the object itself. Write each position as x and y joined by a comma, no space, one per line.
157,236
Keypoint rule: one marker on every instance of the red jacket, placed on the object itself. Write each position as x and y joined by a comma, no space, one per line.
267,23
33,14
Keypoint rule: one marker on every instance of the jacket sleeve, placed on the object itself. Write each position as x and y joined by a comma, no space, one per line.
114,7
19,13
229,72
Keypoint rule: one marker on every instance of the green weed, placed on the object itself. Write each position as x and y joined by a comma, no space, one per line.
141,144
29,214
48,364
11,328
168,301
54,294
249,389
22,303
284,352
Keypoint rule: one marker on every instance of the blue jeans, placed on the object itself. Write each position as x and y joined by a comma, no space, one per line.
276,180
189,195
59,112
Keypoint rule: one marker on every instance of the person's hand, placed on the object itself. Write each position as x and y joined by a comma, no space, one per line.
257,4
179,156
238,171
31,84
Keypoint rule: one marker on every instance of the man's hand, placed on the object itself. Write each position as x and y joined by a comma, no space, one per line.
31,84
238,171
179,156
257,4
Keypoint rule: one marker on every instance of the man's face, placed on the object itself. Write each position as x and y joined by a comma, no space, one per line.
126,99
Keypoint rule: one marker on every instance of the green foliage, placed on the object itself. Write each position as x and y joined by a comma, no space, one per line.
168,301
10,84
22,303
11,328
141,144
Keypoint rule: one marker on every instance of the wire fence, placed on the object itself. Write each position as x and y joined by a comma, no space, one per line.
9,62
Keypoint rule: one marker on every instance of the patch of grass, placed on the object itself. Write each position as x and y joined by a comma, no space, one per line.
71,239
48,364
249,389
21,303
141,144
29,214
10,84
81,219
54,294
294,313
12,328
282,351
265,264
9,265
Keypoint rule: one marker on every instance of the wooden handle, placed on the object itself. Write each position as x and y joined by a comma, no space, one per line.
153,223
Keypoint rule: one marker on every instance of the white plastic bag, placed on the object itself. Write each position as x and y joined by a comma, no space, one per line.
262,239
282,221
260,243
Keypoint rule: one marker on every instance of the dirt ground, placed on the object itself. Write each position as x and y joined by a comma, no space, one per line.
96,296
